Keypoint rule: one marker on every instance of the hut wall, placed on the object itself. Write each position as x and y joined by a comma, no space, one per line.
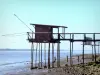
41,37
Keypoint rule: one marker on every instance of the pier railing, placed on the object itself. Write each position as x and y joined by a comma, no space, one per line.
70,36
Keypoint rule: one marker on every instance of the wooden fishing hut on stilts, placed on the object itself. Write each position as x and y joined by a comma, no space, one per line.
44,34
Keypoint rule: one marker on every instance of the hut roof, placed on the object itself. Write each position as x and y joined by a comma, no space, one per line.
53,26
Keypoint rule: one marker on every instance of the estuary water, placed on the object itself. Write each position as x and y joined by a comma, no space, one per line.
16,59
21,56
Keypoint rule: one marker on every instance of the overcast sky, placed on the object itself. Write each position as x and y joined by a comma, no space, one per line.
77,15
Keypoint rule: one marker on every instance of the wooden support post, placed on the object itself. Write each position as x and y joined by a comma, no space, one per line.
92,54
83,49
41,55
52,55
72,47
83,54
72,43
58,54
70,52
32,55
64,32
32,48
49,57
98,48
78,59
36,56
58,50
45,54
58,33
94,47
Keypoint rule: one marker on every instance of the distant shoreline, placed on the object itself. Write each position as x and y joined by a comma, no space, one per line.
15,49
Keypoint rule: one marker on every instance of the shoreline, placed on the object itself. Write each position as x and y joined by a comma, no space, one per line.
25,69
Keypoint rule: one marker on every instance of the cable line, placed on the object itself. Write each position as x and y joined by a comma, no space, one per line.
23,22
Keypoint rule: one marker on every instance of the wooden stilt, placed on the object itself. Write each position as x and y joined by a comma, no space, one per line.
70,52
64,32
92,54
41,55
52,55
83,49
94,48
36,56
32,55
58,54
78,59
45,55
98,48
83,54
72,47
49,57
72,42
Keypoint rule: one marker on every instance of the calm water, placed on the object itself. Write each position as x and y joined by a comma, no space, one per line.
15,60
8,57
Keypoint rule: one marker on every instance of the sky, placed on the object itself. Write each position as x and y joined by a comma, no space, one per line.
77,15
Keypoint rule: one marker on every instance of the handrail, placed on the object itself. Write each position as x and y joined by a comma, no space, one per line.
63,33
